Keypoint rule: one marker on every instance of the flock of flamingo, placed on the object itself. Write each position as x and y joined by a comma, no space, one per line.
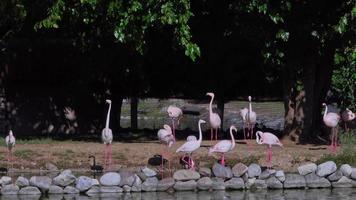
167,134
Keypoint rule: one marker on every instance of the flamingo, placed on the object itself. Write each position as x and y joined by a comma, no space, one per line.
190,146
250,118
214,118
268,139
10,141
107,137
243,113
347,116
331,120
165,136
224,146
174,113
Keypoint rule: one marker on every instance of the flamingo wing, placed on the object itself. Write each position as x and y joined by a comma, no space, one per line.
215,120
106,136
189,146
222,146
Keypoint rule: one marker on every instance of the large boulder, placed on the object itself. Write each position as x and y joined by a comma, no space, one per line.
221,171
110,179
93,191
137,184
218,183
280,175
42,182
70,190
326,168
126,188
83,183
5,180
266,174
127,178
10,189
346,170
185,185
186,175
335,176
55,189
22,182
150,184
253,170
111,189
30,190
314,181
343,182
294,181
204,171
353,173
260,184
307,168
273,183
235,184
165,184
239,169
149,172
65,178
204,183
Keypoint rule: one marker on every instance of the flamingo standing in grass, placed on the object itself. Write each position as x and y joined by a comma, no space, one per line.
107,137
268,139
224,146
10,141
174,113
214,118
249,119
165,136
347,116
331,120
190,146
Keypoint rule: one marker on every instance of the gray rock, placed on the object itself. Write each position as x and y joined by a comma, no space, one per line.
326,168
30,190
343,182
93,191
5,180
245,177
142,176
346,170
149,172
239,169
111,189
274,183
165,184
65,178
204,171
260,184
95,181
150,184
126,188
221,171
307,168
185,185
294,181
250,183
83,183
186,175
235,184
280,175
266,174
136,186
254,170
22,182
127,178
204,183
335,176
51,167
353,173
314,181
10,189
42,182
55,189
110,179
70,190
218,183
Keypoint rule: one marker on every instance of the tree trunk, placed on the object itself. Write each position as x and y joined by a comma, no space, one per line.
221,106
116,113
134,104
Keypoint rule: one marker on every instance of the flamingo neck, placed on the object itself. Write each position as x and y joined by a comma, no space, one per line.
326,111
249,108
108,117
210,106
200,134
258,138
232,139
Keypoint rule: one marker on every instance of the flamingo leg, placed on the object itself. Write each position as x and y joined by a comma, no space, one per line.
110,155
216,134
211,134
270,157
223,159
174,129
336,139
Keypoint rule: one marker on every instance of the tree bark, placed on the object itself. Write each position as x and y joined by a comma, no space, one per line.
221,107
116,113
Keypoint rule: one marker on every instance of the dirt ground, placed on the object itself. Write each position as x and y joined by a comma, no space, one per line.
75,154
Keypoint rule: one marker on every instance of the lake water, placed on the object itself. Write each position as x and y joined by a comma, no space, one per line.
311,194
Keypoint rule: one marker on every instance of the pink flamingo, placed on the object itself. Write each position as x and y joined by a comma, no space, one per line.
347,116
250,119
331,120
224,146
214,118
107,137
165,137
10,141
190,146
174,113
268,139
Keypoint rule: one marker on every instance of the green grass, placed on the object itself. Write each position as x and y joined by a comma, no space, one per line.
25,154
347,155
30,141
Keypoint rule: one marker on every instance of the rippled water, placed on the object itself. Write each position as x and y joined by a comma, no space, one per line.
312,194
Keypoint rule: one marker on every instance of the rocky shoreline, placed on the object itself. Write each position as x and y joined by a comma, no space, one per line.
239,177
